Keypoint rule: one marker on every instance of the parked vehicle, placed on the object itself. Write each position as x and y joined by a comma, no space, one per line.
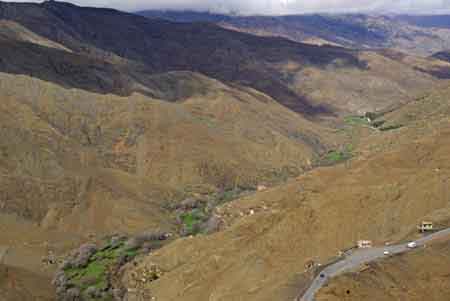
387,252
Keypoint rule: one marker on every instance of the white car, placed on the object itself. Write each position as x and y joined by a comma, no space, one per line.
387,252
412,245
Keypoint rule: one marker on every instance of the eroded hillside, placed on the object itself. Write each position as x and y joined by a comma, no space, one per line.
400,178
421,275
192,129
19,284
76,165
305,78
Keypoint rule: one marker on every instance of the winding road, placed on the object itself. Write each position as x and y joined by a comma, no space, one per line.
3,253
359,258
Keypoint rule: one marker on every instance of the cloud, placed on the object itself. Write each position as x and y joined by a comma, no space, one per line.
277,6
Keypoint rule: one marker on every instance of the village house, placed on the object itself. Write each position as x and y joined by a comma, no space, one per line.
364,244
426,227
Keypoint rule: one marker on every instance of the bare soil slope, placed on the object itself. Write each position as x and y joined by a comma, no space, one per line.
20,285
420,275
380,195
309,79
76,166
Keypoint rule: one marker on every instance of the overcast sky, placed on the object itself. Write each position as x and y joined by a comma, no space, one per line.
277,6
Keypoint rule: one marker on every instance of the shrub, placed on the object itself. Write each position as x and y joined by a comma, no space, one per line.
93,292
60,279
211,225
336,156
378,123
116,241
391,127
190,203
83,255
72,294
86,274
192,222
372,115
139,240
356,120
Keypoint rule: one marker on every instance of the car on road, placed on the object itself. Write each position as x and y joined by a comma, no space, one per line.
387,252
322,275
412,245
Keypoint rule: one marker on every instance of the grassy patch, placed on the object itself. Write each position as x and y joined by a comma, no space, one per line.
90,271
191,220
337,156
195,215
95,274
356,120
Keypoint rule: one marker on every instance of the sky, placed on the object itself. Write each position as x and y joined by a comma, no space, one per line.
276,7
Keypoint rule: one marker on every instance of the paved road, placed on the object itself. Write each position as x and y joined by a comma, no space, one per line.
3,252
359,258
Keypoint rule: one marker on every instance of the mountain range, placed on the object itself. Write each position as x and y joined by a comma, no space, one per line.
414,35
212,156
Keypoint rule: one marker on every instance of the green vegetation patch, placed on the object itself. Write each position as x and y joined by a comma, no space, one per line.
356,120
95,273
337,156
192,220
194,214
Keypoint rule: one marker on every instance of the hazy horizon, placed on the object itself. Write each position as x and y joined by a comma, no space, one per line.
276,7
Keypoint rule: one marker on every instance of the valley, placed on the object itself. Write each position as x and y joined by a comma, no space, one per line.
172,159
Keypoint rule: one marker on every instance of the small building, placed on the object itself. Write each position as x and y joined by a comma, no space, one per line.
262,188
310,264
364,244
426,227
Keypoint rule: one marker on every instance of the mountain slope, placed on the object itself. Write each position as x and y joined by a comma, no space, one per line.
399,178
85,164
421,275
17,284
418,35
138,47
76,166
111,123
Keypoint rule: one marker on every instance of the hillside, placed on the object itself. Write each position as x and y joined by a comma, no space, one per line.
241,156
399,177
442,55
421,275
119,61
221,121
76,166
17,284
417,35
